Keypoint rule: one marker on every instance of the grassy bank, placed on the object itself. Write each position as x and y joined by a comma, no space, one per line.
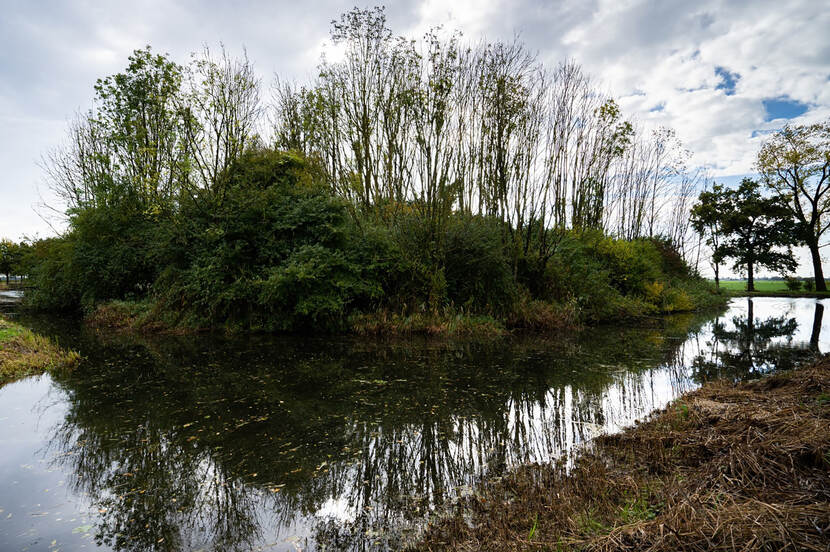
24,353
526,315
727,467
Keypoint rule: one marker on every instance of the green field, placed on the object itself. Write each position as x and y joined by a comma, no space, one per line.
760,285
771,287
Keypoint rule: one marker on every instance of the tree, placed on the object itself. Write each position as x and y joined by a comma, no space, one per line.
796,161
757,228
220,111
129,146
10,257
707,219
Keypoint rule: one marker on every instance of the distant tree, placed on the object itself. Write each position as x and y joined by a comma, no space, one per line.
707,217
796,161
760,231
10,257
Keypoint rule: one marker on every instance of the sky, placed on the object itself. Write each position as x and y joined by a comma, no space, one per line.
722,74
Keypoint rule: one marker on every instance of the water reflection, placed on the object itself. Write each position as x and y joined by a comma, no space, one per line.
744,345
285,444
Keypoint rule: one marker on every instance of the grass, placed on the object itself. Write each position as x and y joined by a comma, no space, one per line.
24,353
728,467
760,285
435,324
768,287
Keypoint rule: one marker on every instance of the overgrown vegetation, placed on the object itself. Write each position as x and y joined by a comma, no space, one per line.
727,467
438,189
24,353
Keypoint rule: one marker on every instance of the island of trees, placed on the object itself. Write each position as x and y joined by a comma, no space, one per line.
412,185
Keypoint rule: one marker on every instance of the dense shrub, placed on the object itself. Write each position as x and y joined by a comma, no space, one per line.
463,265
793,284
55,286
477,271
269,252
112,252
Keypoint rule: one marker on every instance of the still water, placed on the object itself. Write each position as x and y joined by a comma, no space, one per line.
266,443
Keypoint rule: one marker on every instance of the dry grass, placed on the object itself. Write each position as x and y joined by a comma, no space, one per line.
728,467
129,316
24,353
450,324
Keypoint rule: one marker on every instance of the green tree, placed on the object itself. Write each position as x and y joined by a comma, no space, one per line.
707,216
129,146
760,231
796,161
8,257
11,257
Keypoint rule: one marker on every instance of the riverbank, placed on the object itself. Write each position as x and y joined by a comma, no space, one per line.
726,467
25,353
147,316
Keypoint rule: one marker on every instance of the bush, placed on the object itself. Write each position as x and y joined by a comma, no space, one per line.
269,253
809,284
476,269
463,265
793,284
270,247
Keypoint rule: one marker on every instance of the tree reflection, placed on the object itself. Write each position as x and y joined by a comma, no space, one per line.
747,346
186,444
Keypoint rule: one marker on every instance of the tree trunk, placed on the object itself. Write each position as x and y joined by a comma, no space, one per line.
750,277
717,276
817,269
817,319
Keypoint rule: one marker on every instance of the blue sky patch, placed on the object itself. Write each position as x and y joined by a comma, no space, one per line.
728,80
783,108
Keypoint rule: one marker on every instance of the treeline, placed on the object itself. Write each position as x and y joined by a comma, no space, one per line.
409,183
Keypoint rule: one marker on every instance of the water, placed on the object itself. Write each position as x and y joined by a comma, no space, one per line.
263,443
10,296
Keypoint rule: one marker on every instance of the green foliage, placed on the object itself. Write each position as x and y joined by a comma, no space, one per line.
12,258
809,284
270,253
760,230
793,283
612,279
464,266
477,270
55,283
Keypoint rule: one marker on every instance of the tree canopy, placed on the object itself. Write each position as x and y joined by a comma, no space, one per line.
748,227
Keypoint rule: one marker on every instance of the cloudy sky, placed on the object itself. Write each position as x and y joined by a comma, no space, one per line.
722,74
